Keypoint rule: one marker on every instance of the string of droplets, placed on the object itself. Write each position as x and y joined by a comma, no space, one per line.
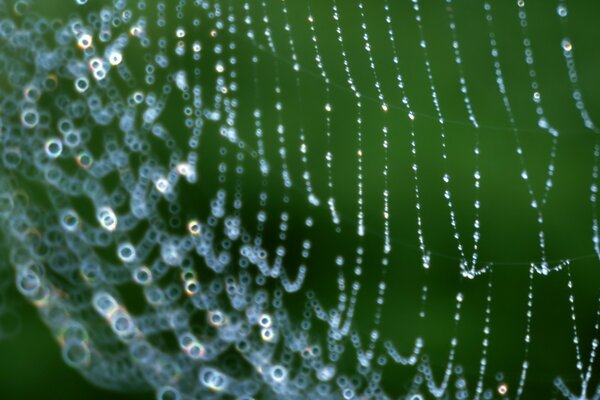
328,155
578,101
387,247
341,323
543,123
285,174
508,108
438,390
258,130
476,150
468,271
425,256
587,375
304,149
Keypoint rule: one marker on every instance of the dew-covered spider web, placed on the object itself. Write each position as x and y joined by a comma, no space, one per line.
301,199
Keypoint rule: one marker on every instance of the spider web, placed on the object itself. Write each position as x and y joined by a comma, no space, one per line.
306,199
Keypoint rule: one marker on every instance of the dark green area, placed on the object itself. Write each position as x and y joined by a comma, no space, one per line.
31,366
